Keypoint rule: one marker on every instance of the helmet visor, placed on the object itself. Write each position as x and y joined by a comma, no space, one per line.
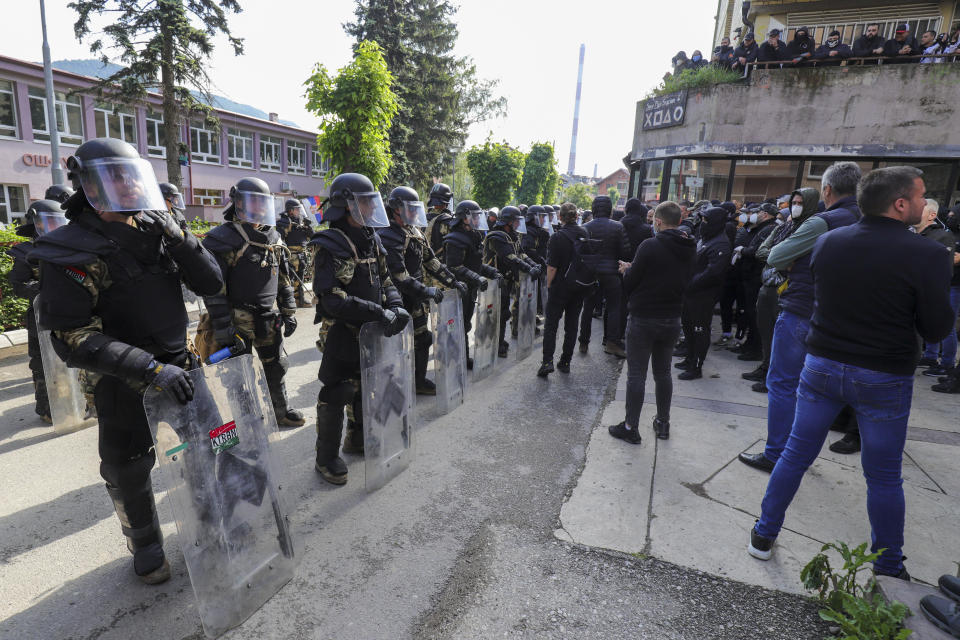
414,213
255,208
367,209
121,184
546,222
176,201
297,211
520,226
48,221
478,220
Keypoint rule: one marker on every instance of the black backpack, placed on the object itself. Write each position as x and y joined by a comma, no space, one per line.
581,273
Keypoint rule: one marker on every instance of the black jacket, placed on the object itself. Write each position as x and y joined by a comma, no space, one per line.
901,288
752,268
614,245
863,46
659,274
800,50
891,49
636,227
713,255
724,56
823,58
743,51
770,54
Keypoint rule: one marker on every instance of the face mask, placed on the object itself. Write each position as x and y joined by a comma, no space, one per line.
796,210
744,218
832,42
753,218
696,58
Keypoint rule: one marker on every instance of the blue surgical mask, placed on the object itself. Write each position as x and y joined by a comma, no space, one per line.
744,218
696,58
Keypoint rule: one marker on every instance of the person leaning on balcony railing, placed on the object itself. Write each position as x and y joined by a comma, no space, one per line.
902,48
745,54
870,44
724,55
801,48
832,52
773,50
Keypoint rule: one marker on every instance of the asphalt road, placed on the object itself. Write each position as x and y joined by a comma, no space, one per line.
460,545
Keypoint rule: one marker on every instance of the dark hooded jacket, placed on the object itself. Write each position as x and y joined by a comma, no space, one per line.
891,49
863,46
823,58
801,49
724,56
770,54
713,255
614,245
743,51
659,274
635,222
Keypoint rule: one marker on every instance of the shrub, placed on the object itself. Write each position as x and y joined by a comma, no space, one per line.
693,79
12,309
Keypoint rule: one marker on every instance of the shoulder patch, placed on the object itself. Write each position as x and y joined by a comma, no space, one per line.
75,274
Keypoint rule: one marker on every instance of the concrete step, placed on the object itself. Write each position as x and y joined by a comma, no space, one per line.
910,594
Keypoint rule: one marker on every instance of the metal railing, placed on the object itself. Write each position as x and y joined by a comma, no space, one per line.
937,58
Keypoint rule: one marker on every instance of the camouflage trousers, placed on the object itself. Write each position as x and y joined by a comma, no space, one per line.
298,263
268,342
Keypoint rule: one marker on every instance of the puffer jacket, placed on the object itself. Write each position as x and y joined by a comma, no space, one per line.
614,244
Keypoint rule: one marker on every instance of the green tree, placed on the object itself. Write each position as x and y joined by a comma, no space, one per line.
356,108
579,194
496,169
439,93
537,172
551,186
614,194
165,45
463,182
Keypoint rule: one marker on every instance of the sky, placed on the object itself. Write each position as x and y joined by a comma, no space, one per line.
530,46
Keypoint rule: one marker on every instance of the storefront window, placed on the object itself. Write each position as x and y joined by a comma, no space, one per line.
813,170
698,179
936,176
650,188
757,180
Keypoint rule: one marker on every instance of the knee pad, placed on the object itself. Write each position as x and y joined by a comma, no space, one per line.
129,473
339,394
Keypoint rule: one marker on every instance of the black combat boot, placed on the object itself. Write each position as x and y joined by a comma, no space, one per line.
545,369
661,426
137,511
329,464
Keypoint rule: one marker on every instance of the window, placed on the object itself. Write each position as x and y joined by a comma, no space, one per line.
240,148
204,144
208,197
13,203
698,179
321,165
8,110
269,153
114,123
69,116
297,158
156,135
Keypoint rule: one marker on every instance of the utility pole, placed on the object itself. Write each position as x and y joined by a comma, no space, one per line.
55,168
571,164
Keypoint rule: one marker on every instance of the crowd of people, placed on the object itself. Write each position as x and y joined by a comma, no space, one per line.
803,50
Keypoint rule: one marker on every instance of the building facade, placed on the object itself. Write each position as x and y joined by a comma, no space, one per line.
283,155
619,180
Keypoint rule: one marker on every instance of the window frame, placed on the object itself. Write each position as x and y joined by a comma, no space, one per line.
319,161
234,135
269,166
154,121
206,197
107,111
5,210
301,168
212,156
61,104
13,112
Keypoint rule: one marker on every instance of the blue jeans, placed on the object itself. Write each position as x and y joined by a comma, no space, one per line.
882,405
947,349
786,361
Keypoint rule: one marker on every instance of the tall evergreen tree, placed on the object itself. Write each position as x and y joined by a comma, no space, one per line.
165,45
439,93
537,172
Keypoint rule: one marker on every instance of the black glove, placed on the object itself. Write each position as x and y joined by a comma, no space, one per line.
461,287
163,223
170,378
289,325
535,273
225,337
435,293
394,321
482,284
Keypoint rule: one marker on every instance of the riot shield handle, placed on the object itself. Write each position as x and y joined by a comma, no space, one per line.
235,349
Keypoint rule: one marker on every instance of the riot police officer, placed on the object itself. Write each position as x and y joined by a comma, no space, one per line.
255,269
111,295
439,217
295,229
42,217
463,254
534,244
175,203
501,250
59,192
353,287
408,255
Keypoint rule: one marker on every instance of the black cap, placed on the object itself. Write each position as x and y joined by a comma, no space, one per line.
903,28
833,33
749,36
773,32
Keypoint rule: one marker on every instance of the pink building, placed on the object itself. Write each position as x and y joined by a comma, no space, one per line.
281,154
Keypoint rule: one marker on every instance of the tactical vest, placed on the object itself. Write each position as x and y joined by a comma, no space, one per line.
253,276
438,228
298,233
467,241
357,273
492,258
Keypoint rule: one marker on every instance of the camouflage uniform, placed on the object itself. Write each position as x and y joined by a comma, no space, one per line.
353,286
112,297
438,226
24,278
296,234
501,250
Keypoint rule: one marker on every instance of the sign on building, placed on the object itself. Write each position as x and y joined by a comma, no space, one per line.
665,111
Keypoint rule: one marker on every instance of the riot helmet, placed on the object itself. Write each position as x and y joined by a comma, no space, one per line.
471,212
172,195
511,215
114,177
252,202
534,214
59,192
353,193
441,195
406,202
45,216
292,205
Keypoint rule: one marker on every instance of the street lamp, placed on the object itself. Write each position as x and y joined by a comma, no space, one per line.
453,181
55,170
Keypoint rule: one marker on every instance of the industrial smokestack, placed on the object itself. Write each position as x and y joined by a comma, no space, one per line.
576,116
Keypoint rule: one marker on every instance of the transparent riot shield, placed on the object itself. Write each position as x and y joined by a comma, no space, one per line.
68,406
486,331
526,315
220,470
449,352
387,387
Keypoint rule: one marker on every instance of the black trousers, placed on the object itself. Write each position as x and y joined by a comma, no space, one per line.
733,294
650,338
561,302
42,406
507,289
768,307
697,316
751,290
610,290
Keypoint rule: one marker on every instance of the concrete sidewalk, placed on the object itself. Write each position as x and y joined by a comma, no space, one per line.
689,501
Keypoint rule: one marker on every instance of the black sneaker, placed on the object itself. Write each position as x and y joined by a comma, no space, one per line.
750,356
950,385
927,362
683,364
469,364
334,471
504,349
563,366
757,461
693,373
936,372
724,340
757,375
848,444
942,613
545,369
621,432
662,428
760,548
903,574
680,352
584,347
426,388
759,387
